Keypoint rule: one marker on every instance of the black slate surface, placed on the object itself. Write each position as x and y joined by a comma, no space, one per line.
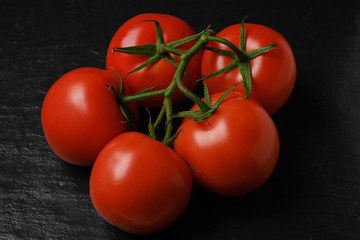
314,192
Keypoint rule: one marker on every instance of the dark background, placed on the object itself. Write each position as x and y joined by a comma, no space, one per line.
314,192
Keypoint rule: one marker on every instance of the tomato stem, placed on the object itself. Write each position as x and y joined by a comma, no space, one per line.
241,55
141,96
204,107
168,110
159,117
164,48
161,50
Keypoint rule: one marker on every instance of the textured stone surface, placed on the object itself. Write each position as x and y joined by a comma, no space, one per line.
314,192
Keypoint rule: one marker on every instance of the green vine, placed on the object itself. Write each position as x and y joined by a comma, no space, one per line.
162,50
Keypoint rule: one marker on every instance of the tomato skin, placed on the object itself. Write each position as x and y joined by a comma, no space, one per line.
235,150
139,184
160,73
80,115
273,73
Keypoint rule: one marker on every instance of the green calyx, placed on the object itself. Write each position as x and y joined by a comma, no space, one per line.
127,112
157,51
201,115
241,58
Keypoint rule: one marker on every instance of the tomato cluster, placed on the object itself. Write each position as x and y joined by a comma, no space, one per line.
227,142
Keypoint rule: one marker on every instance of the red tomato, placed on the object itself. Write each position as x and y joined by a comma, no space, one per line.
235,150
139,184
80,115
160,73
273,73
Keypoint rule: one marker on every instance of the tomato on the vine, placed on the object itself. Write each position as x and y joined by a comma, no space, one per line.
273,73
139,184
80,115
235,150
160,73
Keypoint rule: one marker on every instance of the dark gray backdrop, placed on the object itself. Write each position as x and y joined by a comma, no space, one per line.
314,192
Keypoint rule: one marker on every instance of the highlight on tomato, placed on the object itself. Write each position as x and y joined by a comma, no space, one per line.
139,184
273,73
138,31
80,115
235,150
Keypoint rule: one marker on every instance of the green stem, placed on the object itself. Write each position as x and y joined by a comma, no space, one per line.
168,110
185,58
242,57
179,74
159,118
160,50
168,124
200,44
164,48
137,97
178,79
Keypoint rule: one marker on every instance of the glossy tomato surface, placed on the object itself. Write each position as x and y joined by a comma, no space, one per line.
273,73
235,150
80,115
139,184
134,33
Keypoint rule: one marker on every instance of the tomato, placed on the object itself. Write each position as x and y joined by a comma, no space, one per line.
161,72
273,73
139,184
235,150
80,115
